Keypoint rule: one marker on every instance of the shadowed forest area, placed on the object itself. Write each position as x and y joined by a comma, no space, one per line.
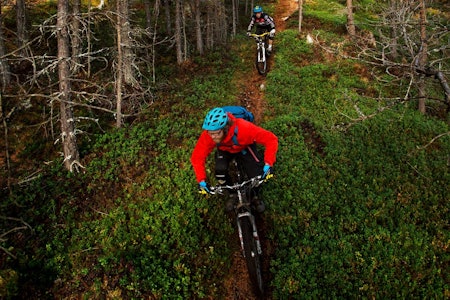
101,104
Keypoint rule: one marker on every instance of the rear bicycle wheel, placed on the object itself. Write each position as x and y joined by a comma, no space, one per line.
252,257
261,62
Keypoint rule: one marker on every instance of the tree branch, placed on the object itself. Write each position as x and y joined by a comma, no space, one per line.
433,140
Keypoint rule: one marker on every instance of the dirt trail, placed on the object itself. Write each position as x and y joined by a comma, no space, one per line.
252,95
237,284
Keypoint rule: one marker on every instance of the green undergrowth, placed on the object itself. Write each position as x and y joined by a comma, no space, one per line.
150,229
132,225
358,207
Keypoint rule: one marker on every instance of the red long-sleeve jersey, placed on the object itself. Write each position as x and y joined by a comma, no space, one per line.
247,134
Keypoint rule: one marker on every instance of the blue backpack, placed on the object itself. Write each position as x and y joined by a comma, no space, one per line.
241,113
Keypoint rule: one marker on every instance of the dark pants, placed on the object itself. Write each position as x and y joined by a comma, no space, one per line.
250,160
262,29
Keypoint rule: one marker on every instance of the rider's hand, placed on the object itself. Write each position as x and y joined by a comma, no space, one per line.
267,171
272,33
249,33
204,187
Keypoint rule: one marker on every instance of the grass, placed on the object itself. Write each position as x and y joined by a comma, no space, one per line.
366,216
358,208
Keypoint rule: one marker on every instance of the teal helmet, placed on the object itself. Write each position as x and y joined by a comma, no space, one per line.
257,9
216,119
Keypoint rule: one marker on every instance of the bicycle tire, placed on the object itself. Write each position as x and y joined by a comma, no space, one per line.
261,64
252,257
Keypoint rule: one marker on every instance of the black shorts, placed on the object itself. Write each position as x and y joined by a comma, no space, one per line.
250,159
262,29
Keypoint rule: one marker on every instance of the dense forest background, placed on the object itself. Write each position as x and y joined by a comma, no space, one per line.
101,104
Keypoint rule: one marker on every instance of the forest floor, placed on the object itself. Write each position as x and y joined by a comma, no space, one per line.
252,85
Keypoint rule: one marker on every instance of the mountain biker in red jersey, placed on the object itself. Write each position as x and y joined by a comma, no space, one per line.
234,138
264,23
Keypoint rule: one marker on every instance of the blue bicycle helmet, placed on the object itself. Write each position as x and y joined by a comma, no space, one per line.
216,119
257,9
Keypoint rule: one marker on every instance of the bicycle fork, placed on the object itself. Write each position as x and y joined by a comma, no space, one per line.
254,230
261,52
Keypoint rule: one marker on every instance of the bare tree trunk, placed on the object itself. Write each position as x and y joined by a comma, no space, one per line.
300,15
168,19
124,29
119,83
350,20
183,27
76,35
119,88
5,76
5,131
21,20
178,32
155,30
220,23
393,46
125,74
148,13
209,27
68,137
198,27
423,57
88,38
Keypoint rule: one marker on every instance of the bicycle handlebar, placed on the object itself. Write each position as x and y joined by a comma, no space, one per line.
252,182
254,35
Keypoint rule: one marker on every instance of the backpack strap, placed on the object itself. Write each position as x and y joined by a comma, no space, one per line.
234,138
235,141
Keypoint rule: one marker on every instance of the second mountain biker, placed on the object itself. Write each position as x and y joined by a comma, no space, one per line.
264,23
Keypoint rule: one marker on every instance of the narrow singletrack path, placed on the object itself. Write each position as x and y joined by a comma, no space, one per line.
237,284
252,95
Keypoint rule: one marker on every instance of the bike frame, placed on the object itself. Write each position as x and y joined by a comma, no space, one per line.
261,57
261,49
245,219
243,210
243,207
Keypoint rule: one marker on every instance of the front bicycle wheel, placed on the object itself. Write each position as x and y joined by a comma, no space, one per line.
261,62
252,257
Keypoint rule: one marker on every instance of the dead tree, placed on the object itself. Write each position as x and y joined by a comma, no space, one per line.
21,22
68,137
76,39
407,53
5,75
4,118
167,17
179,32
300,15
234,18
350,19
198,27
148,19
422,57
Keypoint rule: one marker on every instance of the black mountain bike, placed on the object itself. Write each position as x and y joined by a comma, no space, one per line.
246,224
261,53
